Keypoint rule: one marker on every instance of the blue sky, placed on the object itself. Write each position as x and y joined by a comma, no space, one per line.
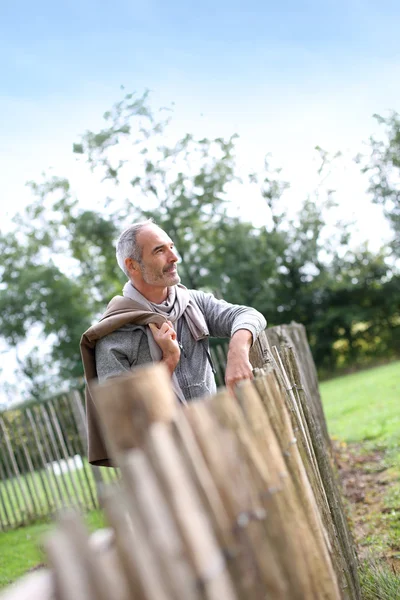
302,72
286,76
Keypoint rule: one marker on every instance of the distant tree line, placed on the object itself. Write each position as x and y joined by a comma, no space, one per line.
58,268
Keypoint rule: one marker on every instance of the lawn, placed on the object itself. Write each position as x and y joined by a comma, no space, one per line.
363,415
365,406
20,549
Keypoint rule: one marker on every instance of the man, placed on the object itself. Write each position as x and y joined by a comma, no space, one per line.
157,319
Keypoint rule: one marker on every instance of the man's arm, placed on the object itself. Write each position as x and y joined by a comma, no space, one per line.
119,351
224,319
238,366
241,323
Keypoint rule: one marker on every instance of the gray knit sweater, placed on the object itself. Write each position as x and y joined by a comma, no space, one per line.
127,347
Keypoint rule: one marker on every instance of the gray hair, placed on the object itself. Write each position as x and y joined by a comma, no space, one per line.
127,246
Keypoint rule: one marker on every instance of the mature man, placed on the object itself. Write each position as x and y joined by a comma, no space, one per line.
158,319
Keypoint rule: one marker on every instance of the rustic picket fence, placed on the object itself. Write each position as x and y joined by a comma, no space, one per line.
43,464
223,499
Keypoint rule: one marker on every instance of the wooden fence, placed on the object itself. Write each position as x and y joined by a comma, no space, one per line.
43,465
43,449
226,498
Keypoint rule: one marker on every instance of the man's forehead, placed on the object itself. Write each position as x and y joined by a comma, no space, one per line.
152,235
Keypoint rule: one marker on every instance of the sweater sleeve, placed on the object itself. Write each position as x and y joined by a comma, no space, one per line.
224,319
119,351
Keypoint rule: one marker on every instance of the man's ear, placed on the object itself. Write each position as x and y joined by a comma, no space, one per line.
131,265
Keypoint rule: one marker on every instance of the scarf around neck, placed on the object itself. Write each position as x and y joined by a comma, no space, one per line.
179,303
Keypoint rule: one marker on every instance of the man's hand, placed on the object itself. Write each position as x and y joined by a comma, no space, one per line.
165,337
238,366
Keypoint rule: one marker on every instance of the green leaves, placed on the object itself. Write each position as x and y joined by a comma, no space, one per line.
383,166
58,268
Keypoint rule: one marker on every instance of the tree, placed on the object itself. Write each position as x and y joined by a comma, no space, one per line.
59,270
383,166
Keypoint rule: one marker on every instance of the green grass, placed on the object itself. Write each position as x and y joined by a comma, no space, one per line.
364,406
20,549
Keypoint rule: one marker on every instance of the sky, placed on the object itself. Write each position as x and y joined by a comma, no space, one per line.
285,76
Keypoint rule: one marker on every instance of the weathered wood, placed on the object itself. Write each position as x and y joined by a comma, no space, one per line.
251,557
295,336
220,371
296,498
129,404
17,475
32,487
222,499
193,523
70,576
27,421
72,450
329,481
13,483
60,437
47,458
56,455
75,407
72,524
7,521
284,513
260,352
134,548
146,498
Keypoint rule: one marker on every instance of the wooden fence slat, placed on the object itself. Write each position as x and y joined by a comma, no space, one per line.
5,492
333,494
134,548
51,459
56,427
73,452
17,474
80,418
41,470
38,435
201,546
56,455
284,511
71,579
146,498
14,498
262,430
219,375
255,566
82,436
29,475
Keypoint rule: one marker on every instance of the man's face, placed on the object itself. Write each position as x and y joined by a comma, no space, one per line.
158,263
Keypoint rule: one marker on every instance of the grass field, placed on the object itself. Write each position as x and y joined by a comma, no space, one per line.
362,411
360,407
20,549
364,406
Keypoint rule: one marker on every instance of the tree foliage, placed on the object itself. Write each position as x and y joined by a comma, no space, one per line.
59,271
383,166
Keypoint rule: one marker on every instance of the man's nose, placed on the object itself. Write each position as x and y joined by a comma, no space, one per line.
173,256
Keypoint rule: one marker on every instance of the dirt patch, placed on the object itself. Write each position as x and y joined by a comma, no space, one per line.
366,481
